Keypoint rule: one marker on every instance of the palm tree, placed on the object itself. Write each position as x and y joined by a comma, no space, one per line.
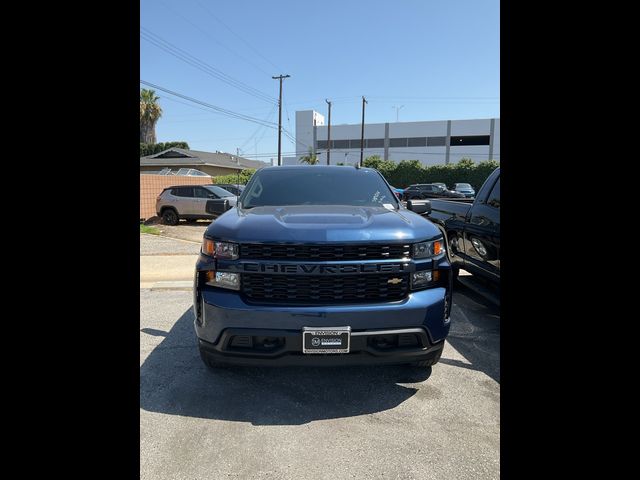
150,113
310,159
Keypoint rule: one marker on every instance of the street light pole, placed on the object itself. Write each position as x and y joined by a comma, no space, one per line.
329,134
397,110
280,77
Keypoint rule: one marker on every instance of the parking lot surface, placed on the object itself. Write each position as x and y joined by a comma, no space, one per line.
357,422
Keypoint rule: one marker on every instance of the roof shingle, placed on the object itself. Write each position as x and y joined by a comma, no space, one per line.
196,157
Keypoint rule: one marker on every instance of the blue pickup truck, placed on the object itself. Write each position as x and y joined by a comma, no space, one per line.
321,265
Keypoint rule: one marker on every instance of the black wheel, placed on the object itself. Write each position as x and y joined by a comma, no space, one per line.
170,217
431,361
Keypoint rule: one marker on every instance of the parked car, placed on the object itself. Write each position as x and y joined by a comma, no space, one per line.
294,276
191,172
428,190
189,202
440,184
464,188
473,229
235,188
398,192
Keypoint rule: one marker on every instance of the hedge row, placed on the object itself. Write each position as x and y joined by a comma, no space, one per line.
408,172
234,178
152,148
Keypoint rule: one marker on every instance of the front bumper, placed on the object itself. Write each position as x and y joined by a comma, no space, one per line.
290,353
222,315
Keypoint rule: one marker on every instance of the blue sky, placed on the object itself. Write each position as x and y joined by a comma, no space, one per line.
440,59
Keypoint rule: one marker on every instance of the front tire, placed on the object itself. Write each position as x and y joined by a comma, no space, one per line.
170,217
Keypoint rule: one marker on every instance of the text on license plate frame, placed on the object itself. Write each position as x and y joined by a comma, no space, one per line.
325,337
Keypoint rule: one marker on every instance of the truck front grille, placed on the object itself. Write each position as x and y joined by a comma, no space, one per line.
255,251
325,289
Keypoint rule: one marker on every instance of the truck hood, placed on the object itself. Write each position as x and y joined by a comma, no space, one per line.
321,224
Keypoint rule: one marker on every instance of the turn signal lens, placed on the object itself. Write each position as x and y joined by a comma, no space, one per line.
208,247
437,247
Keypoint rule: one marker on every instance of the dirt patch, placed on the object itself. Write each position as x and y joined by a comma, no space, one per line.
186,230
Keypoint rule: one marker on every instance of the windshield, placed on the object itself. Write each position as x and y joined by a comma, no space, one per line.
221,192
463,185
316,185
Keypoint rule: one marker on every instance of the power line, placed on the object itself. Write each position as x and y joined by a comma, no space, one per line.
211,37
239,37
260,127
220,110
186,57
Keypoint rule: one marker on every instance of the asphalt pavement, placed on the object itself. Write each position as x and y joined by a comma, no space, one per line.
357,422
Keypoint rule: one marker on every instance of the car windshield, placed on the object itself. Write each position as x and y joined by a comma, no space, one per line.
463,185
221,192
315,185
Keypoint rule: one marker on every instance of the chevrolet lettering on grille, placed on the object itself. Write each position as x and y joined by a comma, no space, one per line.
302,269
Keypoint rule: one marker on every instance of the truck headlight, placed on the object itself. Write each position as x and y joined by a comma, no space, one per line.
424,278
215,249
428,249
223,279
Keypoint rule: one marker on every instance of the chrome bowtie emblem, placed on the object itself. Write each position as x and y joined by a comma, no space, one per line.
394,281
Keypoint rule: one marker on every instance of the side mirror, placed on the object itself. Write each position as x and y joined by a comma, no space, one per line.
217,206
419,206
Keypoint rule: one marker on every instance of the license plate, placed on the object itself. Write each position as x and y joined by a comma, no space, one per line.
326,340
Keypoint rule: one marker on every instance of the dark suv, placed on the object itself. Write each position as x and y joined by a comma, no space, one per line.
428,190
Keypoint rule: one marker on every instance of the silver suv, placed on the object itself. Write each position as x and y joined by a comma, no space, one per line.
189,202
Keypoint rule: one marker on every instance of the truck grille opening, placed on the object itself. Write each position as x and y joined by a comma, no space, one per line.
325,289
323,252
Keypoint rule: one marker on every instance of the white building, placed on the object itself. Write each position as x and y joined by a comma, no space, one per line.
432,143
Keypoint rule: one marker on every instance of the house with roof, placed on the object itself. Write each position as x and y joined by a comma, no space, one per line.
214,164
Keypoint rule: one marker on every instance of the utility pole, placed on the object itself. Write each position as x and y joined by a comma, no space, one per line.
364,101
397,111
329,134
280,77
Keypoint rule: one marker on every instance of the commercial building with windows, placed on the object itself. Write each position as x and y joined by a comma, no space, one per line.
432,142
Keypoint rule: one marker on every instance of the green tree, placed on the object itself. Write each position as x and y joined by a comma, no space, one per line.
150,113
310,159
385,167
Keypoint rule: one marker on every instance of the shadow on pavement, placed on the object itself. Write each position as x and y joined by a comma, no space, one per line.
173,380
475,332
